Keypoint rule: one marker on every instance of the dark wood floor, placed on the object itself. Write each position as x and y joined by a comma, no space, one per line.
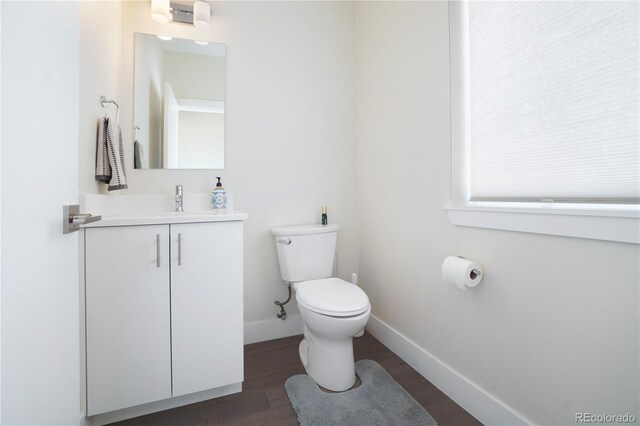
263,401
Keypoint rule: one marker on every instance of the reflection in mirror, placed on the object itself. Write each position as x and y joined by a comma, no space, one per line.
179,104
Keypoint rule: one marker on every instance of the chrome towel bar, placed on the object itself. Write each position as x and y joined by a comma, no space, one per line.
104,101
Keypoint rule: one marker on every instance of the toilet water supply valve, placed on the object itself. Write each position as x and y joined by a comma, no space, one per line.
282,314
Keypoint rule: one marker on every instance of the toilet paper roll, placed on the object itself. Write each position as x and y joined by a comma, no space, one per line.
461,272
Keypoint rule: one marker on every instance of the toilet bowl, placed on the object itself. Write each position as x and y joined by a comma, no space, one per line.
333,310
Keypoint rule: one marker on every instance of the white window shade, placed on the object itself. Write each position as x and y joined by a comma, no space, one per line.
554,101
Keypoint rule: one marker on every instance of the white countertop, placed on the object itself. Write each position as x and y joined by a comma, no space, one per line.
159,218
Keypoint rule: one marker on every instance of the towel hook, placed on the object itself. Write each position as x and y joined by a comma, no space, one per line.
135,132
104,101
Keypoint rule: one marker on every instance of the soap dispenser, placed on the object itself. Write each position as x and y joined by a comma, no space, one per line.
218,196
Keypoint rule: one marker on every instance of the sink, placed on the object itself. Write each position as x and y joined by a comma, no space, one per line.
175,214
168,217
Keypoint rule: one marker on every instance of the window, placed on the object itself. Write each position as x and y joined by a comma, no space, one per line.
545,113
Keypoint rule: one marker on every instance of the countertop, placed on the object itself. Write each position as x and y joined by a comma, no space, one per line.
159,218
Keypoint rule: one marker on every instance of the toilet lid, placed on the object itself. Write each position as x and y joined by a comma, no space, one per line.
332,296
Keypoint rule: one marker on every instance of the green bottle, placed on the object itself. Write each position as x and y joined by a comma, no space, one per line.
325,220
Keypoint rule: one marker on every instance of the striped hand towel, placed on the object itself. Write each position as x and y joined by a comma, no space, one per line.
103,168
116,156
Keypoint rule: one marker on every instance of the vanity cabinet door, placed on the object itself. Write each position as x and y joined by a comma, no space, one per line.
127,316
206,305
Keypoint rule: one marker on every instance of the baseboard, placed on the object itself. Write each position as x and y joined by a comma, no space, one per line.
479,403
260,331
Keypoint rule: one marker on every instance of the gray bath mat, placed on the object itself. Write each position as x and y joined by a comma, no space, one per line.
379,400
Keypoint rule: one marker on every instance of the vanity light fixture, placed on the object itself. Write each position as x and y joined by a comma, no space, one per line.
165,38
201,43
164,11
161,11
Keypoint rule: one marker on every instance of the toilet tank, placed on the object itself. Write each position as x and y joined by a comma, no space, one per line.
305,252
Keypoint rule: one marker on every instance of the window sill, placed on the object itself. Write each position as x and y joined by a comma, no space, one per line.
606,223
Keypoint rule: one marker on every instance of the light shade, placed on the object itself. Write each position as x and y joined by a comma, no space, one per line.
554,101
160,11
201,14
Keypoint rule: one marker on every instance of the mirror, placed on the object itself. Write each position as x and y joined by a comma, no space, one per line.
179,104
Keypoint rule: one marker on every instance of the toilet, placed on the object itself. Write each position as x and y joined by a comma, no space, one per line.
333,310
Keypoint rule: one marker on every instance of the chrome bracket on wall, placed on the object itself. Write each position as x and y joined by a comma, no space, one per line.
182,13
72,218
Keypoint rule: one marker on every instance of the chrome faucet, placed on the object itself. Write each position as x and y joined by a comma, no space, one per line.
179,198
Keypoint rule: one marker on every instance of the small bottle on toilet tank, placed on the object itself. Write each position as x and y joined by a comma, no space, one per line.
325,220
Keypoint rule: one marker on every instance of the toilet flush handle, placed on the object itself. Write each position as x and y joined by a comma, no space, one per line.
286,241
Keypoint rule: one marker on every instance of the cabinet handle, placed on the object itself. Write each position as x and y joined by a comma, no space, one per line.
158,250
179,249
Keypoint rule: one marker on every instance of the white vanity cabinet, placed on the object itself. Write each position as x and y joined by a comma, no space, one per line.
127,316
206,306
164,313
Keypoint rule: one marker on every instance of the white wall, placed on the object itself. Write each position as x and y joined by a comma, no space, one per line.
290,126
201,136
195,75
553,328
40,301
100,32
0,220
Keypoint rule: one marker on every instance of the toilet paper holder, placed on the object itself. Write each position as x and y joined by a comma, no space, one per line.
474,272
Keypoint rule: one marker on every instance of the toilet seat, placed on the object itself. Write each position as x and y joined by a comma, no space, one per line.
332,297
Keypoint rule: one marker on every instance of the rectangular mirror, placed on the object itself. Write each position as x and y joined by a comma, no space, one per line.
179,104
